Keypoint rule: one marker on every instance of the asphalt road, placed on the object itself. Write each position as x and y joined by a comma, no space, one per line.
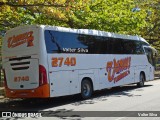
127,98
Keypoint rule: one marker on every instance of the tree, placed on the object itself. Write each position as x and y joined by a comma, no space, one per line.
108,15
152,31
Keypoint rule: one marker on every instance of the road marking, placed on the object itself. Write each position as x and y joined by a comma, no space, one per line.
120,118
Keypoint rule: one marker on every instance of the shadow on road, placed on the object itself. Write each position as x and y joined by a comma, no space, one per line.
41,104
116,92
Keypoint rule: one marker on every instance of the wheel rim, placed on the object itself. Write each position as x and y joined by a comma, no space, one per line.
86,90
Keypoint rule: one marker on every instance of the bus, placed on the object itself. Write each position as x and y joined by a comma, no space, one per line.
48,61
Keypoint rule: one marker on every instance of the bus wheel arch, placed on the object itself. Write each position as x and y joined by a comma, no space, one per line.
142,79
86,88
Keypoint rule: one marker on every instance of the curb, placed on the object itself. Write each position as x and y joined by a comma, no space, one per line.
156,76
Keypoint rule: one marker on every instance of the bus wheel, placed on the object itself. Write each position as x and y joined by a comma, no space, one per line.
86,89
141,80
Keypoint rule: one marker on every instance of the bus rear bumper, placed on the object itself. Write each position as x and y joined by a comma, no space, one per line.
40,92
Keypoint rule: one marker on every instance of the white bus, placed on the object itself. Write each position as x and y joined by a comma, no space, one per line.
49,61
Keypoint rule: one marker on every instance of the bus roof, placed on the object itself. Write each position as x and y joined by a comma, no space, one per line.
94,32
83,31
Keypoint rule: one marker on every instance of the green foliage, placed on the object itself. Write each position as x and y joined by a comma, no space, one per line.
108,15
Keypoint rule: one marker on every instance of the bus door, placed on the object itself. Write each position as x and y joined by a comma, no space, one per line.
150,68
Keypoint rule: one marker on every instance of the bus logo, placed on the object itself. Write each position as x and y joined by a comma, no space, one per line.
6,114
20,39
118,69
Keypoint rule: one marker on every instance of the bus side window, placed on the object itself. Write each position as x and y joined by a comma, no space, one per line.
116,46
139,48
129,47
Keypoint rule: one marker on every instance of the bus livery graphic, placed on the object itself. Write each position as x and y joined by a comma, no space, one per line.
15,41
120,67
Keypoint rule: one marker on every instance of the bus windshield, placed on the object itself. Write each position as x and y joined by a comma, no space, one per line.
151,55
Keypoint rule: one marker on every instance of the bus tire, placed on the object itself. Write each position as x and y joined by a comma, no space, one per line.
141,80
86,89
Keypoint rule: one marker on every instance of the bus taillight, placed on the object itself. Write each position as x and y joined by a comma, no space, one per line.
42,75
5,82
